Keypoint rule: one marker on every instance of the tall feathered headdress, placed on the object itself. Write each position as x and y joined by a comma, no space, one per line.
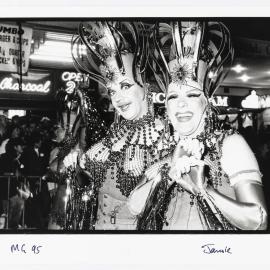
192,53
101,41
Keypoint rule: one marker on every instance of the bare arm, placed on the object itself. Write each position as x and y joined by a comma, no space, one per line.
248,211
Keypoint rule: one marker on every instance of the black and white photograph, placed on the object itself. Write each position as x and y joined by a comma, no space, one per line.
134,135
134,124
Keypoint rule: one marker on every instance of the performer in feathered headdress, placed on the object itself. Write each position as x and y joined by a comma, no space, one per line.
115,54
212,180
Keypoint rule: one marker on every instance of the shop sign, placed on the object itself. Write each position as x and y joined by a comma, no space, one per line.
71,79
159,98
10,48
33,83
220,101
8,83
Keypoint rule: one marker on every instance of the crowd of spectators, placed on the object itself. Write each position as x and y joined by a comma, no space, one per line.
25,146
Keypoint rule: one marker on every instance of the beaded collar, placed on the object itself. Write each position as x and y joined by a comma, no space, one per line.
138,151
146,119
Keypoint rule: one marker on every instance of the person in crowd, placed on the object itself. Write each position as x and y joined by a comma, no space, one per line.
3,127
212,179
33,158
11,160
15,120
14,132
118,60
11,166
34,167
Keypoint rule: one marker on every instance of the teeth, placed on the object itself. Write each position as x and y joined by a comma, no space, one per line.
183,114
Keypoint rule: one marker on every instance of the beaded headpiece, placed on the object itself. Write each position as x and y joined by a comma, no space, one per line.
192,53
106,42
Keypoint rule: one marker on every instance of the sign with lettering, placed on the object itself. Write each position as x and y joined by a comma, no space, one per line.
158,98
220,101
10,53
71,79
36,82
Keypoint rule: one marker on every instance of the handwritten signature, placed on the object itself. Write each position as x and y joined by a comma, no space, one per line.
211,249
24,249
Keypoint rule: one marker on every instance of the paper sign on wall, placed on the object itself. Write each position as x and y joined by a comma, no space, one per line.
10,48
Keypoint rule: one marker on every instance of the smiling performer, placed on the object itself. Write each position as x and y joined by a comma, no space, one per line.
212,181
116,57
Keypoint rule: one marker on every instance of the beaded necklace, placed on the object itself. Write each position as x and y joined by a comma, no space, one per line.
213,151
155,210
138,151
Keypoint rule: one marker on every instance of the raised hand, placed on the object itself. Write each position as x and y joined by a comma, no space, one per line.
192,147
189,173
187,168
71,159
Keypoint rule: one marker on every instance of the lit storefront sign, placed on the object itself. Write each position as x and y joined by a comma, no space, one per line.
38,83
9,84
71,79
159,98
220,101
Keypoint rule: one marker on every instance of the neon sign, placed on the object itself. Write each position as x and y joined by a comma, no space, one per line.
7,83
159,98
216,101
70,78
220,101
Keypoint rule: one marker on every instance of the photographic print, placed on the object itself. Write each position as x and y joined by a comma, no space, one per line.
134,135
137,124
